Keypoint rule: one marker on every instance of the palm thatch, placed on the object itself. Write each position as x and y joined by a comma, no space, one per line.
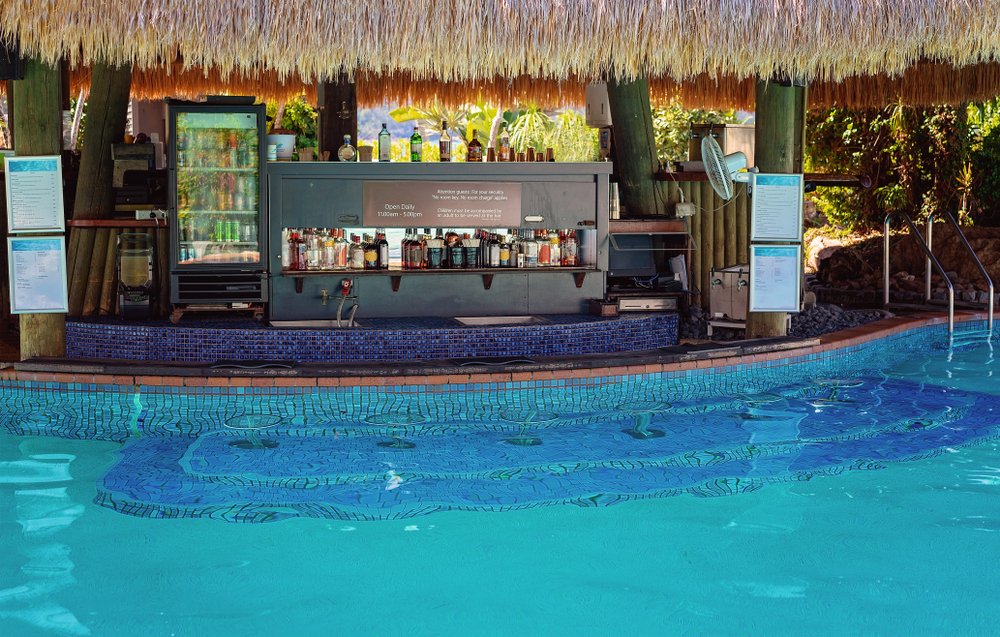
925,84
463,40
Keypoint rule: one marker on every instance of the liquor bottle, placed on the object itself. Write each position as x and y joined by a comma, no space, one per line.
286,249
504,248
341,251
311,251
444,145
544,248
384,144
475,149
371,252
404,250
503,145
416,145
326,262
530,249
347,152
555,248
383,251
516,256
570,251
424,238
471,248
493,252
456,254
356,254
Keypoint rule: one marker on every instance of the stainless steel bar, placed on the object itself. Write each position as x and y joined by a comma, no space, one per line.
927,264
937,266
979,265
885,261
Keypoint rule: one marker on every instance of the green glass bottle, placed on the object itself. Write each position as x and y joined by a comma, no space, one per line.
384,144
416,145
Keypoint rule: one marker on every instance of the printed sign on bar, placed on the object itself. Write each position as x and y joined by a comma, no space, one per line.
775,277
34,194
776,208
435,204
37,275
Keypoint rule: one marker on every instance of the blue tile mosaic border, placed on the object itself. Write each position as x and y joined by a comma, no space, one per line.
557,337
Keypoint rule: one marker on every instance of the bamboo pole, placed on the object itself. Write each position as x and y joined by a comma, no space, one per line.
694,196
729,221
38,131
707,195
742,230
106,114
635,148
108,297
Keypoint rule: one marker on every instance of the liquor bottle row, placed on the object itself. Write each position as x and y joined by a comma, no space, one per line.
217,148
330,249
217,191
475,153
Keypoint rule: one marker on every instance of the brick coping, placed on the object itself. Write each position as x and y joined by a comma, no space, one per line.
833,341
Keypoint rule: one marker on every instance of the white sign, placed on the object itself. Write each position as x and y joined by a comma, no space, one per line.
37,275
776,208
775,277
34,194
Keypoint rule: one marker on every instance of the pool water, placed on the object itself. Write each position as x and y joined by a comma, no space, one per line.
851,494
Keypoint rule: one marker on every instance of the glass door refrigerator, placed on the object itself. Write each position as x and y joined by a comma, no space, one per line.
217,207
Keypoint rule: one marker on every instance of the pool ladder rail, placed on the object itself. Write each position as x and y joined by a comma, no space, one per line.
932,262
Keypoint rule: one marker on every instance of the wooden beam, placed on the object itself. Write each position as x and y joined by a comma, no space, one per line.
338,114
37,126
636,163
778,148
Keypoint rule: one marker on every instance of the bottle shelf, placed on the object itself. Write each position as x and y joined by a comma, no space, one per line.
224,243
396,274
219,212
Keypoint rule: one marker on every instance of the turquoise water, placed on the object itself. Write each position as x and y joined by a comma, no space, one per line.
855,494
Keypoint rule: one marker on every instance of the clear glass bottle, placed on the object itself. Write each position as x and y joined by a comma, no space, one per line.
570,250
286,249
475,149
530,249
493,252
326,262
544,248
341,251
503,144
384,144
444,145
504,252
347,152
357,254
383,251
416,146
555,248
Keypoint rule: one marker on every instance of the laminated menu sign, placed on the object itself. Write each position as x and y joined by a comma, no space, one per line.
775,275
776,208
441,204
34,194
37,275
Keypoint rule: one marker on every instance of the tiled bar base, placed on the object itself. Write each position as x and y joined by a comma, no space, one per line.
394,341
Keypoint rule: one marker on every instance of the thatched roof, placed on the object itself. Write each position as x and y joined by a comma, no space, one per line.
461,40
925,84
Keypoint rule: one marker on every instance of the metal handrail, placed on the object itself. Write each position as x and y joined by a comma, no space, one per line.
972,253
930,257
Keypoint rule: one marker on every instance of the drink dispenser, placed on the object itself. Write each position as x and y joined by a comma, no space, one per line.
136,282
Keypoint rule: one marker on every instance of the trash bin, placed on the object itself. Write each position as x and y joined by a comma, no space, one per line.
135,275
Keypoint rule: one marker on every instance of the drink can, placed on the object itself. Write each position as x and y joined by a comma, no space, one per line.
220,230
233,231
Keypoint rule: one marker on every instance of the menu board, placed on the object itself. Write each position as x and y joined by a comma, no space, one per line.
776,208
441,204
34,194
37,275
775,278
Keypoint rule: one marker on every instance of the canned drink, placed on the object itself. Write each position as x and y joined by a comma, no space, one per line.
233,232
220,231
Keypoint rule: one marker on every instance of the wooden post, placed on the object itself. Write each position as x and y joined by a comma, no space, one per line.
635,149
107,110
37,126
778,144
338,114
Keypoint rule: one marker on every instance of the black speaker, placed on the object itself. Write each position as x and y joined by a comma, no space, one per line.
11,64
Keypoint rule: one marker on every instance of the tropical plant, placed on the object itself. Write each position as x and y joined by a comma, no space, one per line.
300,117
672,127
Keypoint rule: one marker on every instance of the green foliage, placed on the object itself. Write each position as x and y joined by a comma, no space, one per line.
672,126
919,160
299,117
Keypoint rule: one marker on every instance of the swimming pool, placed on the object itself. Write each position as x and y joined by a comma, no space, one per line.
863,490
